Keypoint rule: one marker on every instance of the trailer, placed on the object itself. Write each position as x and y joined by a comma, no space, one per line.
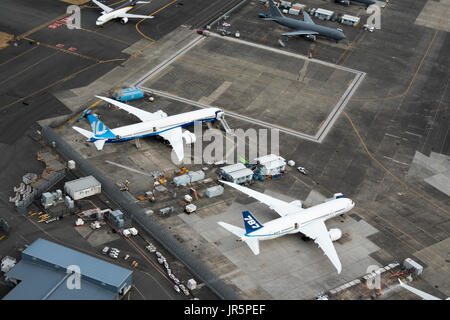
350,20
323,14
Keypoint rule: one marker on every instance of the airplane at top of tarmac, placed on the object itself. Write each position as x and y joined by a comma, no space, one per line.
347,2
294,219
153,124
302,28
109,13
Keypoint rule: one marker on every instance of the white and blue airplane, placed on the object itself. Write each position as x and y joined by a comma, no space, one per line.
152,124
294,218
120,12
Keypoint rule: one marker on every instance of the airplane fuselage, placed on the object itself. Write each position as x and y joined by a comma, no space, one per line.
293,222
117,13
301,25
156,127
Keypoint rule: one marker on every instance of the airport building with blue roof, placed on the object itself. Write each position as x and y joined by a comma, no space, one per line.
43,274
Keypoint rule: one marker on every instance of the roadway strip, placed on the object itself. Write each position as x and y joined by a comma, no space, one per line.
230,114
339,107
286,53
168,61
325,126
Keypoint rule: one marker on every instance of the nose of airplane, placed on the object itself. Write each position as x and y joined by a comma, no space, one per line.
351,204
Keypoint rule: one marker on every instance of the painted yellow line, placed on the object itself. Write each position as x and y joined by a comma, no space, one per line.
152,14
402,183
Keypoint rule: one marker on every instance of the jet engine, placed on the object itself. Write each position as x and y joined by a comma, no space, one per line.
311,37
124,20
161,113
335,234
296,203
189,137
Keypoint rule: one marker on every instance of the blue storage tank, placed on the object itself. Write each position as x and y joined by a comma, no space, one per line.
128,94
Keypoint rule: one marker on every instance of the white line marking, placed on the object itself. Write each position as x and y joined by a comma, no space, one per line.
391,135
396,161
128,168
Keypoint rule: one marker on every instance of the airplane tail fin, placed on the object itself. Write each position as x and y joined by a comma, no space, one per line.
100,133
274,11
250,222
253,243
99,129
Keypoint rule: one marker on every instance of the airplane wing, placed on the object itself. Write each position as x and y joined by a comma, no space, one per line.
102,6
420,293
135,16
141,114
174,136
319,233
281,207
307,18
299,33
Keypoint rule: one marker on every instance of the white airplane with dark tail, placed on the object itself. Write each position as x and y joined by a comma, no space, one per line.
152,124
294,219
120,12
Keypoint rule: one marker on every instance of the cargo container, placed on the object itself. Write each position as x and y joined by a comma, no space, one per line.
214,191
298,6
294,12
285,5
116,218
190,177
127,94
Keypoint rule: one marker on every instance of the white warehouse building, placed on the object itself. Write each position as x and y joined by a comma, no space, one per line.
83,187
271,164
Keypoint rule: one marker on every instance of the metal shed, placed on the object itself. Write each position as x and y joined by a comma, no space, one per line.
240,176
236,173
43,273
231,168
83,187
350,20
271,164
323,14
